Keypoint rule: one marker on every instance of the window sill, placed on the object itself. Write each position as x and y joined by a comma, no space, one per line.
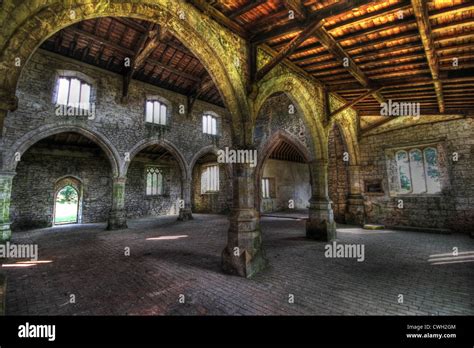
418,195
210,193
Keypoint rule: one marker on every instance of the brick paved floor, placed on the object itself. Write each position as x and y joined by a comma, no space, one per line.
90,263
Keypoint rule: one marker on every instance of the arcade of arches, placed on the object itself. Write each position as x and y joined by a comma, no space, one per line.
163,96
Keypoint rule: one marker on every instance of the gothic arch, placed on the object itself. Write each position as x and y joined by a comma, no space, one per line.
348,137
32,137
304,99
267,150
203,151
40,21
166,145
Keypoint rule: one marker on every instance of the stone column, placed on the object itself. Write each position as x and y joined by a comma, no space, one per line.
320,224
185,212
355,209
6,179
243,255
8,102
117,215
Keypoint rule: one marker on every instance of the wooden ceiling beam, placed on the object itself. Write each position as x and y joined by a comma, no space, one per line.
388,84
420,9
335,48
246,8
354,102
288,49
297,7
219,17
201,88
275,30
146,45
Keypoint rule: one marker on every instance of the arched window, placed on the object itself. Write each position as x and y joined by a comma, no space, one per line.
418,170
154,181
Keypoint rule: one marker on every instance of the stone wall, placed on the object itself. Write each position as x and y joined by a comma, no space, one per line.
138,204
292,182
122,124
33,191
279,113
453,208
220,202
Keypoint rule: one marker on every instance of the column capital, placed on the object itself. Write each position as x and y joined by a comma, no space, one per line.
119,180
7,173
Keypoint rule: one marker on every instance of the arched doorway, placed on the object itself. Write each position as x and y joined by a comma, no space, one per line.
68,201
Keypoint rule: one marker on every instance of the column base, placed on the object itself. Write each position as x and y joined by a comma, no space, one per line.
117,220
321,230
355,210
244,255
5,233
185,215
320,224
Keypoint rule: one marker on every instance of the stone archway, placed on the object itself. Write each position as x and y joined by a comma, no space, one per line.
209,43
272,143
173,173
54,154
13,156
304,97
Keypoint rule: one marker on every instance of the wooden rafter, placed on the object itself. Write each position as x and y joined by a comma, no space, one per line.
335,48
420,9
355,101
219,17
297,7
275,30
202,87
288,49
147,44
247,8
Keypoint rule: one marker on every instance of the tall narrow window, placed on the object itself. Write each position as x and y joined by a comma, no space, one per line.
417,171
433,184
154,181
155,112
209,124
404,171
265,188
210,179
73,92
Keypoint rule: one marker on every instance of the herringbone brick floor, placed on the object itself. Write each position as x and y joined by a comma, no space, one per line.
90,264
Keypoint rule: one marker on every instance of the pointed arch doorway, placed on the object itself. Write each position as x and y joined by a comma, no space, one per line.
67,201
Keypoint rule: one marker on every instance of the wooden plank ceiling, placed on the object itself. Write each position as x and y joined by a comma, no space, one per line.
156,56
399,50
